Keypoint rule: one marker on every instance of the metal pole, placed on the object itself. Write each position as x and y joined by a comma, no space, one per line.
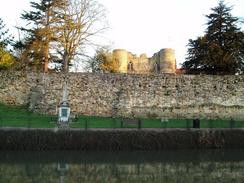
86,124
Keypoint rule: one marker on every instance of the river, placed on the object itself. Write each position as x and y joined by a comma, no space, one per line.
184,166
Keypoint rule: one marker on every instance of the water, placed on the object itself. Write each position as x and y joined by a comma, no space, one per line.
77,167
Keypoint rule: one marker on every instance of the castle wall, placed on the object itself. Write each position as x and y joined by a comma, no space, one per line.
164,61
167,61
141,65
14,88
121,57
173,96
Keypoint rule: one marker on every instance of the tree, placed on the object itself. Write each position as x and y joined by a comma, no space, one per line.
5,38
102,61
59,30
80,20
221,49
40,32
6,58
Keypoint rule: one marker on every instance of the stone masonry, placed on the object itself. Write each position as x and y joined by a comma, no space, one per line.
159,95
161,62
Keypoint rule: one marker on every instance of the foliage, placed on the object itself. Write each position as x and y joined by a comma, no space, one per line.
58,30
221,49
6,59
5,38
102,61
39,31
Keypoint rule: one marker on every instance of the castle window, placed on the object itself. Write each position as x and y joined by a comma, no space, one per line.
130,66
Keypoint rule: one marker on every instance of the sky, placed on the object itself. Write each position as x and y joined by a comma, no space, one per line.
142,26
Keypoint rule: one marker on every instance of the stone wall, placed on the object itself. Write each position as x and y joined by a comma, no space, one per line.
14,88
174,96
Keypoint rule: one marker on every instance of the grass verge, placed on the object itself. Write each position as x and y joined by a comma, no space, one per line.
13,116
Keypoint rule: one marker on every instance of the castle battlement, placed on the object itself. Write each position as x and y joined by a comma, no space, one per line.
161,62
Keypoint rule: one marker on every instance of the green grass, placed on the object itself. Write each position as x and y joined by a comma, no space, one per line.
12,116
95,122
221,124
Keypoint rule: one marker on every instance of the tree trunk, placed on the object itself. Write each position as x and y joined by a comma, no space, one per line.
46,48
66,63
46,57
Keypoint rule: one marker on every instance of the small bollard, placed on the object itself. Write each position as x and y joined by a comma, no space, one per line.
86,124
232,123
113,122
121,123
28,122
196,123
139,124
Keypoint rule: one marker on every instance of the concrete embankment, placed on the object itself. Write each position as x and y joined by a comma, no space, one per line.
120,140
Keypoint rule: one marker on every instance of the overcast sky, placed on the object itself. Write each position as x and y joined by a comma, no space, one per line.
144,26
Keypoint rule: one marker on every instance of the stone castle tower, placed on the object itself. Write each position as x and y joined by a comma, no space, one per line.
161,62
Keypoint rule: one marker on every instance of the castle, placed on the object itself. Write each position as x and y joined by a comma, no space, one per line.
161,62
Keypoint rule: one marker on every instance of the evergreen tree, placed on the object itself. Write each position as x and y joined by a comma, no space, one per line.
5,38
40,32
6,58
221,49
60,27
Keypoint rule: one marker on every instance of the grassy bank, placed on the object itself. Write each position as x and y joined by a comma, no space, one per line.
12,116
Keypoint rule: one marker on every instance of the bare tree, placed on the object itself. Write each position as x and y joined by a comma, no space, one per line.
80,20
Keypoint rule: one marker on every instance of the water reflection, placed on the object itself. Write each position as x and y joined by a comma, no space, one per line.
75,167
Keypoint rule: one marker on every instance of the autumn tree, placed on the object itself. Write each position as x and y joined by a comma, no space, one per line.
102,61
58,30
39,31
221,49
6,58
